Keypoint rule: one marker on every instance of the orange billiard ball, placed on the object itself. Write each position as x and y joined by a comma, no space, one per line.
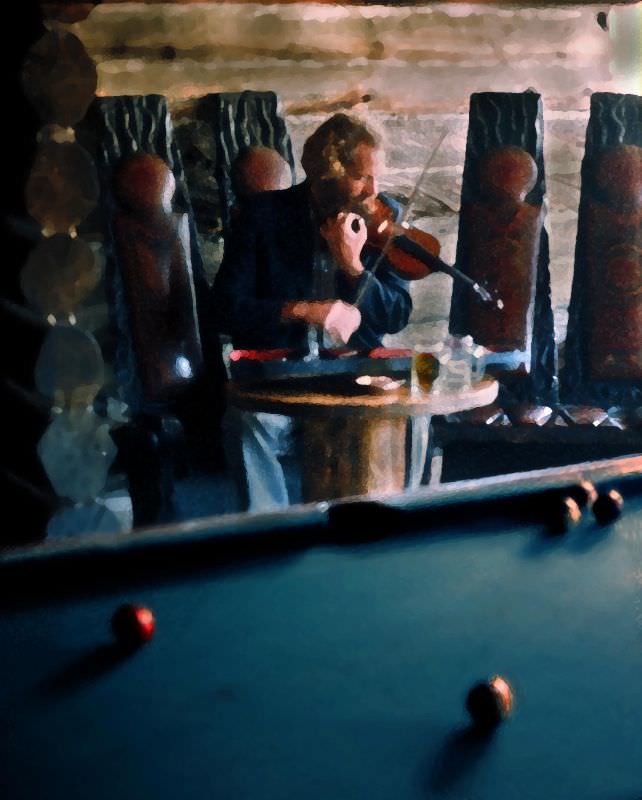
490,702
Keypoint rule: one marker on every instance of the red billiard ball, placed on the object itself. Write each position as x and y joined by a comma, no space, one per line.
133,625
490,702
608,507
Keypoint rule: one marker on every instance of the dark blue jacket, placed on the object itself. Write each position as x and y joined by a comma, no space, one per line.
268,261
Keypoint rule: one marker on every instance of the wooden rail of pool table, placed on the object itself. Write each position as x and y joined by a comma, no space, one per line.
212,542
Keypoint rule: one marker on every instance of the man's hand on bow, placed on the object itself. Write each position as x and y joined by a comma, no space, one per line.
340,320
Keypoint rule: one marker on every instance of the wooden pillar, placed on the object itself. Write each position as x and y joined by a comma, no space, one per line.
345,456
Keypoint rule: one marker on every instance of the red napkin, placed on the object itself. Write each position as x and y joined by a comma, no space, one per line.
389,352
261,355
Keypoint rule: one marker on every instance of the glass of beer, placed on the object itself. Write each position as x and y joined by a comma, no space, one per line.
424,367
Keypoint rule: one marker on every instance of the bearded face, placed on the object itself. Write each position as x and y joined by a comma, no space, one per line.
348,187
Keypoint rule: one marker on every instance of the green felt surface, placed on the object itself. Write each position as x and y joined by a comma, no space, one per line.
340,671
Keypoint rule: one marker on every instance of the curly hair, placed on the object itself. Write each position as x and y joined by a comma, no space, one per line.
331,147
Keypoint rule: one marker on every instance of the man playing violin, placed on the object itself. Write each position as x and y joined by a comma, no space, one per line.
297,273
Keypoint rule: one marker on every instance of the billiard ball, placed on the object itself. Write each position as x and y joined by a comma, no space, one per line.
584,493
564,514
133,625
608,506
490,702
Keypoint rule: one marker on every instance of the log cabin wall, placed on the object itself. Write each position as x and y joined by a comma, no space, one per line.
410,68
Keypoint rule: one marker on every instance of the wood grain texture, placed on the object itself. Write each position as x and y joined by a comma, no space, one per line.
398,403
345,456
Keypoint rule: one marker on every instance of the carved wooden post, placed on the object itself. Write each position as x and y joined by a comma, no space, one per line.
118,128
504,246
153,250
603,355
238,120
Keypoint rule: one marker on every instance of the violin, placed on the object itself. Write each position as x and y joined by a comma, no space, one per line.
413,253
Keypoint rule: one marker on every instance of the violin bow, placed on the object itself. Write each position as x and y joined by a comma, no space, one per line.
404,215
443,267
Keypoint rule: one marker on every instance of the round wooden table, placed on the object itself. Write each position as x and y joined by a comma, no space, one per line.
354,443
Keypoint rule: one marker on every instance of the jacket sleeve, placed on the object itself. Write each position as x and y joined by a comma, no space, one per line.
383,297
240,310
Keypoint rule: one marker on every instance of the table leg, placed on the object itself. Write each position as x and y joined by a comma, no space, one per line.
420,432
345,456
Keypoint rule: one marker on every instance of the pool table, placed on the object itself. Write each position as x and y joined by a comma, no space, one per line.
328,652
